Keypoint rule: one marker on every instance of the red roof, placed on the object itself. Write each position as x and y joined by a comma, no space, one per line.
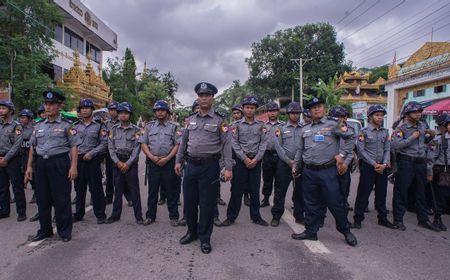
437,108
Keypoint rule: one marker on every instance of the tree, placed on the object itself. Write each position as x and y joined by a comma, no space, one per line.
129,71
272,72
26,29
328,91
232,96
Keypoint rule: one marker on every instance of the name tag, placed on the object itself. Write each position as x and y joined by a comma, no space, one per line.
319,138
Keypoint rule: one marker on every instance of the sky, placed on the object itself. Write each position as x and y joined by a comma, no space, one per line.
208,40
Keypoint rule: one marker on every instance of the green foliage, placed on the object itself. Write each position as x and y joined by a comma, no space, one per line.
327,91
232,96
26,29
272,72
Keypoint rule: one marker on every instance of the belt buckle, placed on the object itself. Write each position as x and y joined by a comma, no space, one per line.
45,157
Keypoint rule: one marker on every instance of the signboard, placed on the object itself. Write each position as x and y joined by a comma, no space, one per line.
359,110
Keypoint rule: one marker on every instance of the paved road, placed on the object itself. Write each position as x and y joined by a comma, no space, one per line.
124,250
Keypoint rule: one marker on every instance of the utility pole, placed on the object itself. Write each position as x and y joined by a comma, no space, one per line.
300,62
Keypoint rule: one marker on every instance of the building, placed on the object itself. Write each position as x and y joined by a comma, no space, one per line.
423,77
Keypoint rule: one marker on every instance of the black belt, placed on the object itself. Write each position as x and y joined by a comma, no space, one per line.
271,152
321,166
250,156
412,159
202,160
123,157
52,156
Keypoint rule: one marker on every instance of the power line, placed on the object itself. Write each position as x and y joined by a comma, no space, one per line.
377,18
361,14
349,13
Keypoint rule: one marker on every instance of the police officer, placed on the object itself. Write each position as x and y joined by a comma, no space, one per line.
10,162
374,149
124,148
92,141
437,164
409,141
204,142
306,117
270,159
287,138
321,154
41,111
160,143
52,141
25,119
344,176
249,142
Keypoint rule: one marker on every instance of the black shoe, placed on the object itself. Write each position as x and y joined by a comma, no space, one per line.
356,224
101,221
174,222
148,221
34,218
188,238
182,222
261,222
304,236
33,199
429,212
350,239
386,223
300,221
217,222
140,222
439,224
264,202
429,225
111,220
21,218
66,239
220,201
161,201
41,236
76,219
4,216
349,208
275,222
206,248
130,203
246,200
227,223
399,226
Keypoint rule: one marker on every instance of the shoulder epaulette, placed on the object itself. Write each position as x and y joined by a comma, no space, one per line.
68,121
191,114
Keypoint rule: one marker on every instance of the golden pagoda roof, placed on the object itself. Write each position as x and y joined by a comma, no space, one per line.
428,50
358,80
355,75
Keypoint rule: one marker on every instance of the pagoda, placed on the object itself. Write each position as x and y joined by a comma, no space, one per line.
358,89
86,83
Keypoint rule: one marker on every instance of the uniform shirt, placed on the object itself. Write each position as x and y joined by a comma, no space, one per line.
53,137
26,136
287,139
249,139
10,138
435,155
110,123
161,137
92,138
374,145
271,129
320,142
206,136
403,142
124,141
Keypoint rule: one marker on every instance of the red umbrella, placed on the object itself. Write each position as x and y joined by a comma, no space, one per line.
438,108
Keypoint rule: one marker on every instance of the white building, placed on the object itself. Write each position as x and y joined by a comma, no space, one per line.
81,31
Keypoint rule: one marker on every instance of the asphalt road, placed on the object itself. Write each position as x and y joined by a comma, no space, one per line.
124,250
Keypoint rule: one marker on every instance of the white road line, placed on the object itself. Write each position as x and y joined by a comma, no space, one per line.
314,246
36,243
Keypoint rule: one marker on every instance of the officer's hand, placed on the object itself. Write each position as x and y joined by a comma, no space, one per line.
28,175
155,159
429,178
247,161
178,169
161,162
120,165
73,173
342,168
339,160
430,131
125,168
3,162
227,175
291,163
416,134
252,164
87,157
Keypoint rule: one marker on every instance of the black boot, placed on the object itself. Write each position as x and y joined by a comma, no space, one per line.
265,202
439,224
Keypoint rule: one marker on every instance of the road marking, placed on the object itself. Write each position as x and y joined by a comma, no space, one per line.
314,246
36,243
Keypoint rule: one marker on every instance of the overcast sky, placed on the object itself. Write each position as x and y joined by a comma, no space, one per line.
208,40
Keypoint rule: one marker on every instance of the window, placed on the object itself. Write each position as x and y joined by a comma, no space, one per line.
57,73
96,54
73,40
439,89
419,93
58,33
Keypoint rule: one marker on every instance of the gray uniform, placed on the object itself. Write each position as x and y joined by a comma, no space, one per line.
249,139
436,151
271,129
287,141
403,142
206,136
161,137
10,139
110,123
92,138
320,142
124,142
53,138
374,145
